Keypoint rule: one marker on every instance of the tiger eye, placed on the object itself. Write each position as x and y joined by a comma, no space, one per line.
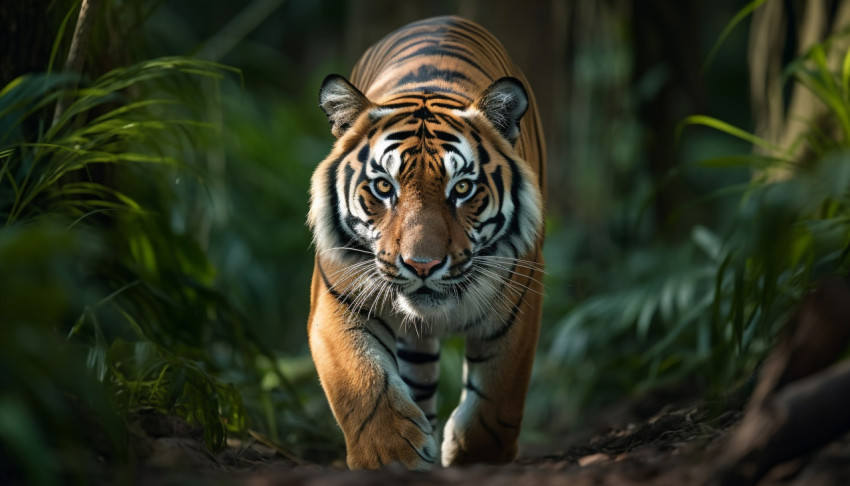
383,187
462,187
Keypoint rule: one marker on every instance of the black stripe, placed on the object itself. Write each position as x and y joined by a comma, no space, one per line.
469,386
429,72
336,220
417,357
456,105
490,431
491,50
394,120
446,136
363,154
348,176
406,41
392,147
449,121
483,155
478,359
366,330
514,228
503,330
427,390
429,460
401,135
385,326
423,114
428,98
339,227
374,165
506,425
374,411
485,201
442,51
344,299
400,105
419,426
514,311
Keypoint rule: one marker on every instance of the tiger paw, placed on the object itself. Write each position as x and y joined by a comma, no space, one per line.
472,438
394,435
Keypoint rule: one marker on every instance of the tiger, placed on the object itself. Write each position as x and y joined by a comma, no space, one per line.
427,221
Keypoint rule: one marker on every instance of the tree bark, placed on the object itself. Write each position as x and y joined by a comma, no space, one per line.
800,401
785,126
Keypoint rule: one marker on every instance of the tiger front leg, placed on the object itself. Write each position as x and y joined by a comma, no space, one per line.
485,426
373,406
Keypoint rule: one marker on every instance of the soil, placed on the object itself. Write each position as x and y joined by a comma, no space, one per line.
677,446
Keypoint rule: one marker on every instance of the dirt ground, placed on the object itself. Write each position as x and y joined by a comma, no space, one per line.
678,446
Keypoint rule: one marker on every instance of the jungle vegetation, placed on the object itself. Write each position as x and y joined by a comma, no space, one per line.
154,255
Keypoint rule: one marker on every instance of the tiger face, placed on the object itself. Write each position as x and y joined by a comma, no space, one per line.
424,201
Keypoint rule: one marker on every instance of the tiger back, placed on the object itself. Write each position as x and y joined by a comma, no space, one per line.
427,221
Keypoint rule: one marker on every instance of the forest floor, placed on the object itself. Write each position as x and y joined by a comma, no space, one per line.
680,445
788,425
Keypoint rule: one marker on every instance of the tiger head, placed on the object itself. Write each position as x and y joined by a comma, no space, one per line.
424,197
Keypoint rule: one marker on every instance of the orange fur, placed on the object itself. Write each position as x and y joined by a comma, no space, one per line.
427,221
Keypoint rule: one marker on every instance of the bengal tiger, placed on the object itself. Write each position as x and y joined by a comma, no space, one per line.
427,220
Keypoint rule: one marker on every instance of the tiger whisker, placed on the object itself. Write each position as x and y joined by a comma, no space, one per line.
478,299
358,283
362,292
512,272
347,248
514,269
350,269
518,261
482,298
499,296
381,289
514,287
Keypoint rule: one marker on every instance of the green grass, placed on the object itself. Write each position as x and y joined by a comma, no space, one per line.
700,314
110,301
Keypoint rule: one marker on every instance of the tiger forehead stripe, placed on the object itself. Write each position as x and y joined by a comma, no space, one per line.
457,153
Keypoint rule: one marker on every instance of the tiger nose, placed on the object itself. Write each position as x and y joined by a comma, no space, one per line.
423,266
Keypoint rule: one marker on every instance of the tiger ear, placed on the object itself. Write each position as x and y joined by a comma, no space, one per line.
341,102
504,103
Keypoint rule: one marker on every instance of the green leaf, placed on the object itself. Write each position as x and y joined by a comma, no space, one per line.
725,128
741,15
750,161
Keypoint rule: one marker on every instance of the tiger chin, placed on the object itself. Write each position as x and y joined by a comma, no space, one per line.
427,221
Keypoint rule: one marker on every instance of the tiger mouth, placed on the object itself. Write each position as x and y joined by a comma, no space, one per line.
427,297
425,291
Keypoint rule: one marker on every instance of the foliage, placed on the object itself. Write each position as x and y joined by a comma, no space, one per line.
705,311
150,260
47,396
97,273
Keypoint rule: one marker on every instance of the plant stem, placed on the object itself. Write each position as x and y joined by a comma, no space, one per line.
79,46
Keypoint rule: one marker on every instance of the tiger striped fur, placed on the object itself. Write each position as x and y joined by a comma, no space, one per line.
427,220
